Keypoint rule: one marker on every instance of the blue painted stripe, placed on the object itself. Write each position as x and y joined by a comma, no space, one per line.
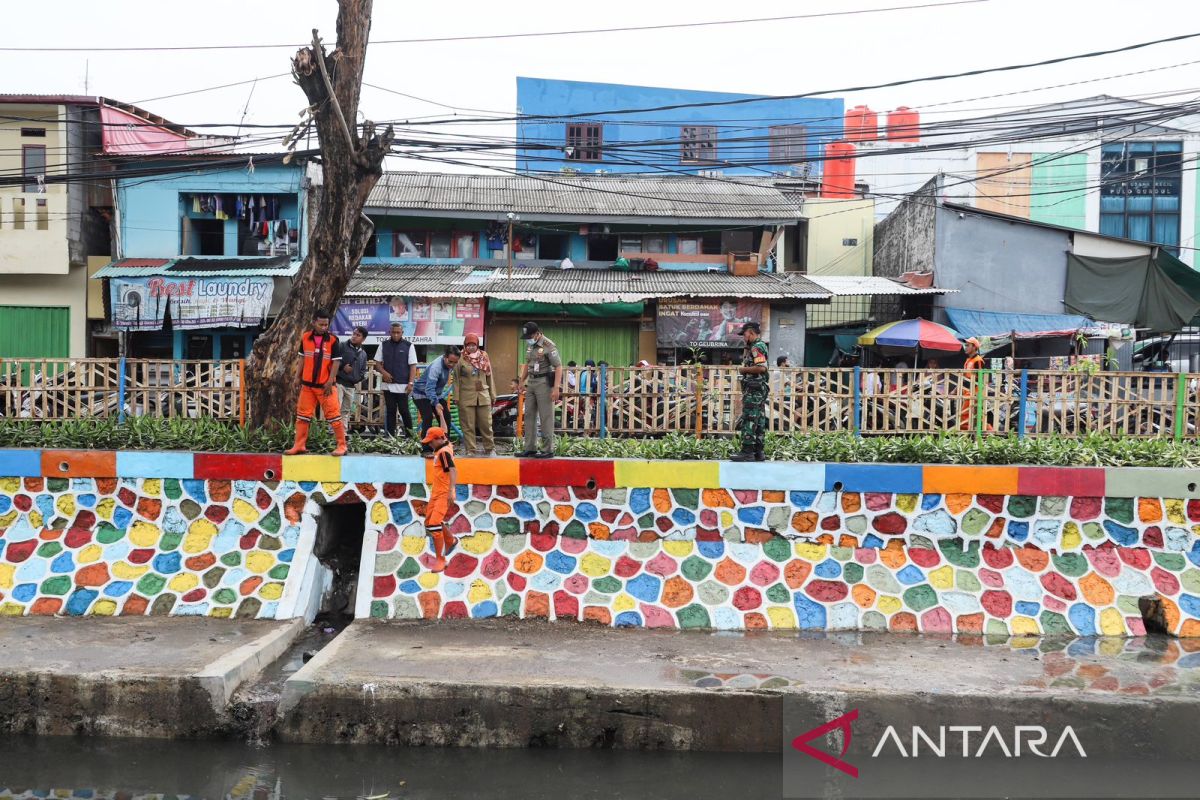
899,478
775,475
134,464
383,469
20,463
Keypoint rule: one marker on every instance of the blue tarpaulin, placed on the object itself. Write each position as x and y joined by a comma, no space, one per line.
1001,324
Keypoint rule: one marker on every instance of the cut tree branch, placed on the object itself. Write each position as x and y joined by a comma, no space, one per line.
319,51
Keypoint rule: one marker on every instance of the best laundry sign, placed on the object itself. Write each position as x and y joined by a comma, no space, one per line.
141,303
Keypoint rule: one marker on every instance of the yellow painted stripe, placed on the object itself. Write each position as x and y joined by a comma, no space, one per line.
312,468
668,474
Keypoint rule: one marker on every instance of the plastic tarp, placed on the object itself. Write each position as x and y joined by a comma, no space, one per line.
126,134
1136,291
1002,324
533,307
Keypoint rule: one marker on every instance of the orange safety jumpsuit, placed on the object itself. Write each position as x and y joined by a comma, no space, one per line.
438,506
972,366
321,359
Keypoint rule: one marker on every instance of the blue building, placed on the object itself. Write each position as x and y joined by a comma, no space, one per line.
206,254
572,125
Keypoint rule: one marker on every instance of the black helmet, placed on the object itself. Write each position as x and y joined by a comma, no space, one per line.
750,326
529,329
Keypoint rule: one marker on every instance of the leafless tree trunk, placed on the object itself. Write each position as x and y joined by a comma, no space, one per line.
352,162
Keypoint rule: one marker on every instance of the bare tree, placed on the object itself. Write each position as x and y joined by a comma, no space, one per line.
352,162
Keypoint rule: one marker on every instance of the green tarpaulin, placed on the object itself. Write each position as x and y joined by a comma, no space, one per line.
534,308
1140,291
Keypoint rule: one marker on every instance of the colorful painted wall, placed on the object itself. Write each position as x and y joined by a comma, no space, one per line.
996,550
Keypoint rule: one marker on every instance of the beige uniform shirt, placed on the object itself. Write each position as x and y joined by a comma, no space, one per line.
542,358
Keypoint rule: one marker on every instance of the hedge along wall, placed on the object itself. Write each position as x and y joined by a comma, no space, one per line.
1001,550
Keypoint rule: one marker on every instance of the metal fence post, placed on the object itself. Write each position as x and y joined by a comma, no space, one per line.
603,406
856,420
121,389
1023,398
1181,382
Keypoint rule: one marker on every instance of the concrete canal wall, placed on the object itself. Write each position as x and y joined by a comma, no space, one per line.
996,550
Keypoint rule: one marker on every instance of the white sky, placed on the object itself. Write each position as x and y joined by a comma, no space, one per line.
768,58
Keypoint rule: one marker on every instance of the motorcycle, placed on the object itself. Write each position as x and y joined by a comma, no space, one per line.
504,415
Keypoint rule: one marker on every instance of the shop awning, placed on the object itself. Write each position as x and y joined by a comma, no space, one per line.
1002,324
534,308
1145,291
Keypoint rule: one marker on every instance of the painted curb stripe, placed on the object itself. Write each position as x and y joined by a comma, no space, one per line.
383,469
668,474
21,463
895,478
1151,482
238,467
567,472
1061,481
327,469
136,464
79,464
772,475
941,479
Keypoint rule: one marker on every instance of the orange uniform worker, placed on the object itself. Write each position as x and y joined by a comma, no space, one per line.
319,348
971,366
445,478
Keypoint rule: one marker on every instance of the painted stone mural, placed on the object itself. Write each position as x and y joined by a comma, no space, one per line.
991,550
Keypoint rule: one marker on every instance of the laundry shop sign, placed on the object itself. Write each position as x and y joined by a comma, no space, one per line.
142,303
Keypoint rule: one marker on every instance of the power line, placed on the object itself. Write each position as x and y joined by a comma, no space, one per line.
498,36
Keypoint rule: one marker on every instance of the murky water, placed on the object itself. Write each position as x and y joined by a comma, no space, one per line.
108,769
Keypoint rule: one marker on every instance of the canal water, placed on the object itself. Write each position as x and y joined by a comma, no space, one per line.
134,769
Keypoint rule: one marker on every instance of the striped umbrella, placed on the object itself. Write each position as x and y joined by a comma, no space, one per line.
913,333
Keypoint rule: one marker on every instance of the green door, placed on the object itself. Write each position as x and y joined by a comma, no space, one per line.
614,342
32,332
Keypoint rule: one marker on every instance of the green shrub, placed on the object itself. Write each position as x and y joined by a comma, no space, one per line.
205,435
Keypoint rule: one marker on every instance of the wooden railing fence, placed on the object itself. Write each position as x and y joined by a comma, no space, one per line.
702,401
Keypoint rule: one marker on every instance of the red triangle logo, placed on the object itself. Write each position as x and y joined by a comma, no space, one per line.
801,742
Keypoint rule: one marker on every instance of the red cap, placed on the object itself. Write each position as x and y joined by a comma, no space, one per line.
433,433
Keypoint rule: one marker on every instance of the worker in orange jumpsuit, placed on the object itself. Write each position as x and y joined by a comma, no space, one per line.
441,495
319,349
971,366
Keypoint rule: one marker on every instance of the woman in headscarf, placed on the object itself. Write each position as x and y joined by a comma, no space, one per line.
474,393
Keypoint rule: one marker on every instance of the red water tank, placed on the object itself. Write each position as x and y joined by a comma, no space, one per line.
862,125
904,125
838,180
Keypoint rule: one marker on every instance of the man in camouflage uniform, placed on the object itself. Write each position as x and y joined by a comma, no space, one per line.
753,422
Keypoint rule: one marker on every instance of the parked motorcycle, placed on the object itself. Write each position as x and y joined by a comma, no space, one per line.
504,415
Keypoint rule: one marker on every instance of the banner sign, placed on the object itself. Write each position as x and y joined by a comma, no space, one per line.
426,320
139,304
705,323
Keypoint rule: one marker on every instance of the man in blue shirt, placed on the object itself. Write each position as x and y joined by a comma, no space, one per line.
427,392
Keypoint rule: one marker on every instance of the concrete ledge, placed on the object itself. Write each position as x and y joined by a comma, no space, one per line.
528,684
222,677
129,676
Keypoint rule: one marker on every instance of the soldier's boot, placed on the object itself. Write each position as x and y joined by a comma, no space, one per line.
745,454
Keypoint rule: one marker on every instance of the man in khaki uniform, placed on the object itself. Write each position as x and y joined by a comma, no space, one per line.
541,374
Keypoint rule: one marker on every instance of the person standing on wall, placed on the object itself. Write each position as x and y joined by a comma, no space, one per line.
318,348
397,357
475,391
441,495
753,371
351,371
541,375
427,392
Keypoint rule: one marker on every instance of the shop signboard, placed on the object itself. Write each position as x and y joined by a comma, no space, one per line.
684,322
140,304
426,320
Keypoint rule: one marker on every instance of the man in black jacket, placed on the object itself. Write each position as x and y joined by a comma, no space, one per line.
397,356
351,372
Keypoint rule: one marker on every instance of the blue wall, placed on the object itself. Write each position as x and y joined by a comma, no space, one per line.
152,209
822,116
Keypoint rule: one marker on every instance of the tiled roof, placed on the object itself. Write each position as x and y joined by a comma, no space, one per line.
865,285
562,196
554,285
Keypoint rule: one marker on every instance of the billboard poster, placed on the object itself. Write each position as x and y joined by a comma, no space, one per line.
221,302
426,320
684,322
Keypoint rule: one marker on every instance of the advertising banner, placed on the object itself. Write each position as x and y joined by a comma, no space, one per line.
426,320
223,302
686,322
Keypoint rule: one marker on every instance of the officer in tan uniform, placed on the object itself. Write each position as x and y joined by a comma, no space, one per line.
541,375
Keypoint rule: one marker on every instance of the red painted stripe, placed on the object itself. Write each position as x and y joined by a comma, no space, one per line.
238,467
1061,481
567,472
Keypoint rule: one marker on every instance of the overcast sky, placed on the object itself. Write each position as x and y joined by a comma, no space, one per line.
768,58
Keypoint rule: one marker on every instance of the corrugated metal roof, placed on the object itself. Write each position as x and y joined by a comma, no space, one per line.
573,285
585,196
868,285
199,266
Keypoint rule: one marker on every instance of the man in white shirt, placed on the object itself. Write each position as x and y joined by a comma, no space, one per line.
397,357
